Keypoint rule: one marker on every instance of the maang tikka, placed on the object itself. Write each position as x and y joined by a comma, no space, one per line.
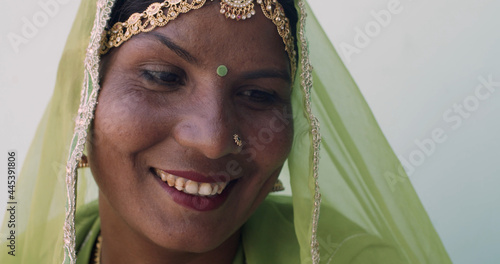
237,9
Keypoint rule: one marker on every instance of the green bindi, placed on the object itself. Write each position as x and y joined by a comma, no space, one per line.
222,70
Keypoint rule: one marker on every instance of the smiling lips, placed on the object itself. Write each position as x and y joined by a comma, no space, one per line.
190,186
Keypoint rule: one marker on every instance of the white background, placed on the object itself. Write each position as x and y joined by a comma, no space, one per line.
413,69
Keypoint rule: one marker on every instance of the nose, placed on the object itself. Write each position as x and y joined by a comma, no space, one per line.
208,127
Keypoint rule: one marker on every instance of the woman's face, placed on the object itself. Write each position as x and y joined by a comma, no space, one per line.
164,107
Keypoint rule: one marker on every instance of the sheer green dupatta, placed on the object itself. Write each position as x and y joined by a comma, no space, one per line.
370,212
41,187
361,217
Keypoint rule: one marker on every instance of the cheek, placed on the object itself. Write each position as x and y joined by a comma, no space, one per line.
123,124
269,141
268,144
121,129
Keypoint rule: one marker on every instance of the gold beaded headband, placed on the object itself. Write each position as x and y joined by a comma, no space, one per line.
159,14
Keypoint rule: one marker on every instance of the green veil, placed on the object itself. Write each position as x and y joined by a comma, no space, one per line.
344,203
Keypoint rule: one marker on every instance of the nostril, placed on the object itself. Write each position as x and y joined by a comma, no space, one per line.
210,138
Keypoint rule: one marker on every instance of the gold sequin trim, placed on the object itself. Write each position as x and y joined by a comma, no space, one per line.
88,101
307,85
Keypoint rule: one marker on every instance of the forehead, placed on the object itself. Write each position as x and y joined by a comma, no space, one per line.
212,38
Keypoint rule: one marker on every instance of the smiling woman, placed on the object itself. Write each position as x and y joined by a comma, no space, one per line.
189,112
164,112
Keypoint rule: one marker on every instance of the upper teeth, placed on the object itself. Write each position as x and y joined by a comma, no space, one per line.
191,187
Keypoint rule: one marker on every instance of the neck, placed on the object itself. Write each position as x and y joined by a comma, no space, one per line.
120,244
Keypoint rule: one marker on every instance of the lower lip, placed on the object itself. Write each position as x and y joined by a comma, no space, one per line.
198,203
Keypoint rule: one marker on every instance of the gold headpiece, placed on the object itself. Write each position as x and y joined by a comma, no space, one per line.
159,14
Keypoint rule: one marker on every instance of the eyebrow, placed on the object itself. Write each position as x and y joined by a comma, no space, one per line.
267,73
172,46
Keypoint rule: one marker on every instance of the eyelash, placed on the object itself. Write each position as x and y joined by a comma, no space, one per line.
261,97
163,78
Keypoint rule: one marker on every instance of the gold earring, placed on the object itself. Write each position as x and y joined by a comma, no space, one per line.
237,140
84,162
278,186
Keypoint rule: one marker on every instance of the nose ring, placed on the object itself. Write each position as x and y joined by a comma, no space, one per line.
237,140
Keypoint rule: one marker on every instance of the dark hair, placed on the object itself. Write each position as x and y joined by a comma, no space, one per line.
123,9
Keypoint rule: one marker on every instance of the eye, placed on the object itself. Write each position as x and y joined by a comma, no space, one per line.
259,96
164,77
